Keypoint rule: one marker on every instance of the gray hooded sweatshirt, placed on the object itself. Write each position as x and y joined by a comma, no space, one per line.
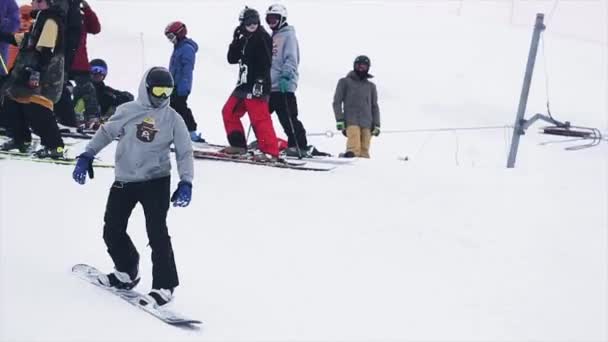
146,134
285,58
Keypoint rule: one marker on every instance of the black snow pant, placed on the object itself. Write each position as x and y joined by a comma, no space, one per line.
22,116
86,90
286,106
180,104
154,197
64,109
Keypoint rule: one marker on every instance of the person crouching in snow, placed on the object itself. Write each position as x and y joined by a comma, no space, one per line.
356,109
147,128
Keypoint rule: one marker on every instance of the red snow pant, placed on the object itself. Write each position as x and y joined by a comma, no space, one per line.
260,119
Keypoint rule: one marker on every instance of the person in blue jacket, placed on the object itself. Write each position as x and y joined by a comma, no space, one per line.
182,67
9,23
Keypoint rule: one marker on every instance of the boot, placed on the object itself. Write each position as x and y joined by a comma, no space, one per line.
119,280
157,297
12,145
53,153
233,150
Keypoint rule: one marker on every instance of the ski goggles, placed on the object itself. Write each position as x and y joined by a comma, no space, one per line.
251,21
96,69
171,36
161,91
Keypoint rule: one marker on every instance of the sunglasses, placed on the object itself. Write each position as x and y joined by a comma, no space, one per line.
162,91
98,70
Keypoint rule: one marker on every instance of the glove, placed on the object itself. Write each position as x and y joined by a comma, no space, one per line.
84,164
284,83
182,196
376,130
340,125
237,34
33,78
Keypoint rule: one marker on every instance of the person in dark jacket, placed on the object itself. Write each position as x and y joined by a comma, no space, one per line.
36,80
356,109
9,23
148,128
80,69
182,68
64,108
251,50
107,97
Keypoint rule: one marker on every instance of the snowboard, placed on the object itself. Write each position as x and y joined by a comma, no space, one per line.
90,274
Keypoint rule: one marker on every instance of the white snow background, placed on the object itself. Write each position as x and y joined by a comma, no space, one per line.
447,246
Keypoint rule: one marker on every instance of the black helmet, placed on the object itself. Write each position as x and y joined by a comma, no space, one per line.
159,86
99,62
362,60
249,16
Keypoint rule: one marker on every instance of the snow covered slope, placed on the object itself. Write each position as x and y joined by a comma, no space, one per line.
449,245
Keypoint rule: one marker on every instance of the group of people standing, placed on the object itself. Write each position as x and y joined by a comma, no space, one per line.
267,82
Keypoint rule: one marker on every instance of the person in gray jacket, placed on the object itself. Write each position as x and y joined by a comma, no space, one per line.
147,128
356,109
284,77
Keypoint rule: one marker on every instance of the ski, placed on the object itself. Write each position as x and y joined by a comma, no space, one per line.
62,161
215,148
90,274
323,160
249,159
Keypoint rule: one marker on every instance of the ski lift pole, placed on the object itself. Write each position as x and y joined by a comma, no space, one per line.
518,129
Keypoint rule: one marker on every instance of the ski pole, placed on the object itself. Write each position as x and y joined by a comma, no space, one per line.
293,131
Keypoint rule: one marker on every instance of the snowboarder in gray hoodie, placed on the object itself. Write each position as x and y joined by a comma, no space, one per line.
147,128
284,77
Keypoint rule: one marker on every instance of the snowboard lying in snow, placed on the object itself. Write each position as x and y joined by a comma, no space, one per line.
90,274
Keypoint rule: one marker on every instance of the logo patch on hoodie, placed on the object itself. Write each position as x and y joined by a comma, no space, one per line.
146,131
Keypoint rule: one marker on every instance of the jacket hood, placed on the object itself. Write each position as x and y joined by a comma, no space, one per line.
189,42
285,28
142,94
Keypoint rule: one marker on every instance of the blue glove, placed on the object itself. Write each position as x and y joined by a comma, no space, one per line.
84,165
284,84
182,196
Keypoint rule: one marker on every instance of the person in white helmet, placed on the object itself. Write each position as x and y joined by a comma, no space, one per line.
284,77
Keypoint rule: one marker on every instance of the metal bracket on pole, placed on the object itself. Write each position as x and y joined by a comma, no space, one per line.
520,123
527,123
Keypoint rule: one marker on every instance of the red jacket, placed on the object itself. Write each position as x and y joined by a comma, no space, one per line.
90,24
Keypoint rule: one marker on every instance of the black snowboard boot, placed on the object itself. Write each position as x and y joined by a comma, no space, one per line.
119,280
158,297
